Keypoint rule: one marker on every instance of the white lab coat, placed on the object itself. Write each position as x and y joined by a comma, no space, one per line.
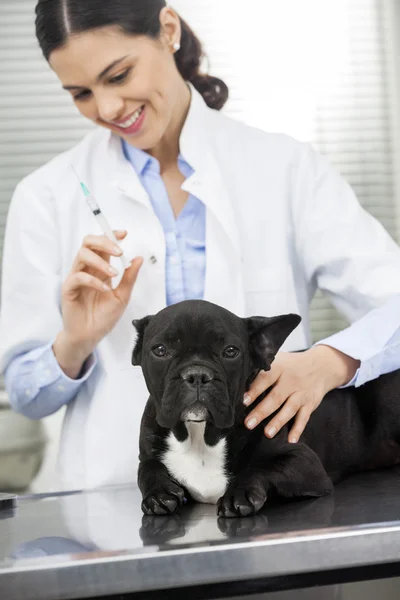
279,223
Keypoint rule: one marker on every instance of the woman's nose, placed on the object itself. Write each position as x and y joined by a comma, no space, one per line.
110,109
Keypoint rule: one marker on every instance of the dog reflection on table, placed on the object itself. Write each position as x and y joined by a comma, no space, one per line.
196,523
198,360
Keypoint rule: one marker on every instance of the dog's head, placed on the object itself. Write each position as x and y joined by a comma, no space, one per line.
198,358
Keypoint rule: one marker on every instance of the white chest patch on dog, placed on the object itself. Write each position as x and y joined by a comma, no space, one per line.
197,467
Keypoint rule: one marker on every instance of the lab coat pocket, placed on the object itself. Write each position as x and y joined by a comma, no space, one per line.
269,291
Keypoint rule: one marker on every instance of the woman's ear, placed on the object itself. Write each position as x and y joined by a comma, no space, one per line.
140,326
171,31
266,336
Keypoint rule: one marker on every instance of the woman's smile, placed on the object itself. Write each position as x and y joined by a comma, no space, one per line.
132,124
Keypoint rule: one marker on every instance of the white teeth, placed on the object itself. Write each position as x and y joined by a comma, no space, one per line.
132,120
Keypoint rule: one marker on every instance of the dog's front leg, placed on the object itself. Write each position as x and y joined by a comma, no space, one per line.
295,471
161,494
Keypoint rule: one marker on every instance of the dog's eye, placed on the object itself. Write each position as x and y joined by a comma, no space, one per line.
231,352
159,350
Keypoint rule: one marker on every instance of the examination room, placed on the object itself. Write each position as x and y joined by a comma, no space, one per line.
199,299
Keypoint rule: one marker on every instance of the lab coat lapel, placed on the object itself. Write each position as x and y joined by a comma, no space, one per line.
126,179
223,282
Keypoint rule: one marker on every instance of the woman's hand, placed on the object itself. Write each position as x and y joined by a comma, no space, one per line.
299,383
90,307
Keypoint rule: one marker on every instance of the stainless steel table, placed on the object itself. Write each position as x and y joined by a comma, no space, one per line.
97,544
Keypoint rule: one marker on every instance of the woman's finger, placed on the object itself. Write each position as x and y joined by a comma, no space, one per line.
288,411
88,259
263,381
120,234
300,423
270,404
124,290
103,246
79,280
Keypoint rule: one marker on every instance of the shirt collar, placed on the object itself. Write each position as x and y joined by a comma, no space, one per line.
141,161
138,158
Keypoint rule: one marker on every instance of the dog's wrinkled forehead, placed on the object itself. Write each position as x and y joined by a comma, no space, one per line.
203,324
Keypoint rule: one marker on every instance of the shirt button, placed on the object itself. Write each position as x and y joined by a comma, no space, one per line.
153,260
174,260
28,392
61,388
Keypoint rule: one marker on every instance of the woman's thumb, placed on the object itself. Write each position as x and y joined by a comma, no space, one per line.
128,280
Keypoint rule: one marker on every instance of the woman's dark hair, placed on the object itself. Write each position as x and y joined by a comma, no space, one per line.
56,20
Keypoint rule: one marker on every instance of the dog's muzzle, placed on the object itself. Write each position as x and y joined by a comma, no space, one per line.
196,378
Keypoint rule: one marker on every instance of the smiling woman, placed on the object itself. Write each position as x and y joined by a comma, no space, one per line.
129,85
198,202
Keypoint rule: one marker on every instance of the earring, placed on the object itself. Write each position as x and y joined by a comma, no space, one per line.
176,46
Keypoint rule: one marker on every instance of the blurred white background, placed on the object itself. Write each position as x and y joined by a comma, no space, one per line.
323,71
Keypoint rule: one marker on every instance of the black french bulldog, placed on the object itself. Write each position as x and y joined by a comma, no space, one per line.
198,359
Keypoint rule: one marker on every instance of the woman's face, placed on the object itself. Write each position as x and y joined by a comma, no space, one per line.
129,84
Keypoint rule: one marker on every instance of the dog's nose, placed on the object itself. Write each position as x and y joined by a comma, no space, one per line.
197,375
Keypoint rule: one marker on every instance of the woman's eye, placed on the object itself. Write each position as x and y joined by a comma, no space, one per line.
159,350
120,78
82,95
231,352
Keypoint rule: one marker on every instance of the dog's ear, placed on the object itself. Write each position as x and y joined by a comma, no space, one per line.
267,335
140,326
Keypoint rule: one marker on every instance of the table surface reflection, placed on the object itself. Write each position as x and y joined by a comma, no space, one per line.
98,543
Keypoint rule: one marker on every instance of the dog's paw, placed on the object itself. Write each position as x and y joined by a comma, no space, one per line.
164,501
241,502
